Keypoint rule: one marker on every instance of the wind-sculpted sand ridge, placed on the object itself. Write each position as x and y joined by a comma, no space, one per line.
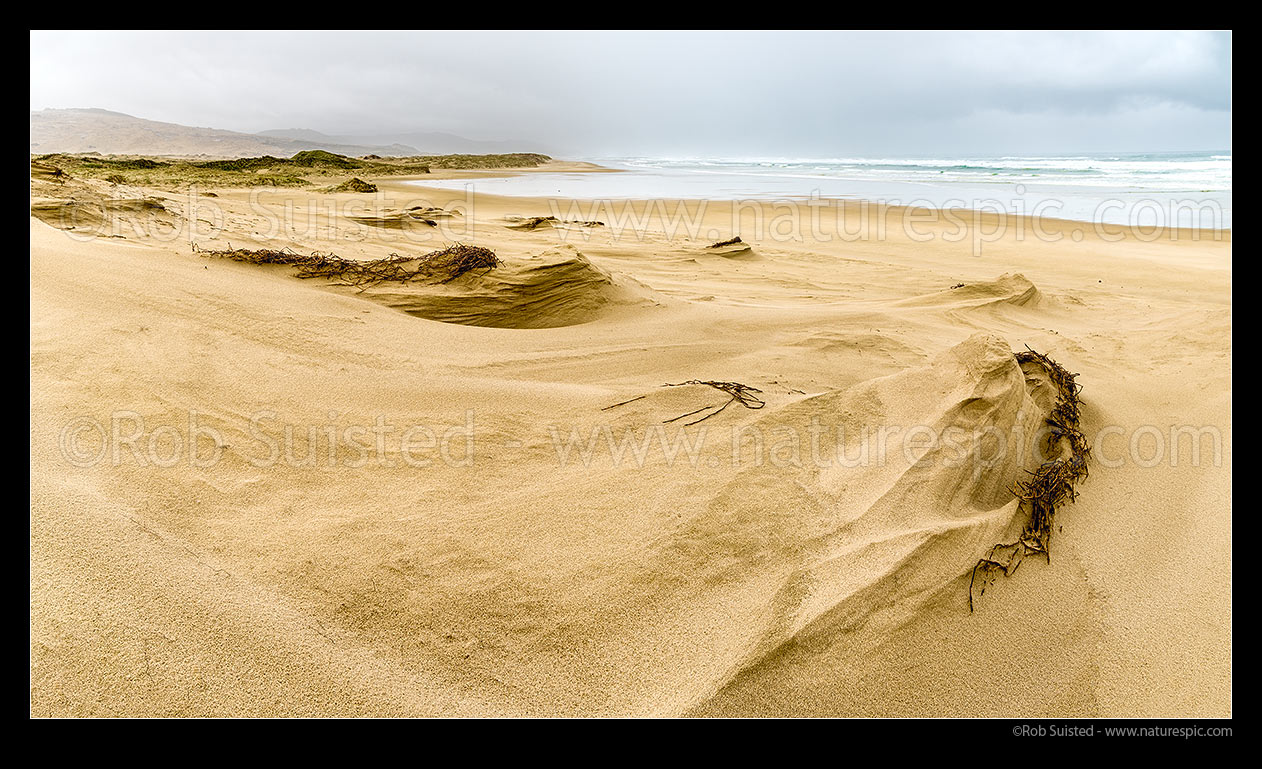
533,223
733,248
1008,289
848,543
93,215
468,285
560,287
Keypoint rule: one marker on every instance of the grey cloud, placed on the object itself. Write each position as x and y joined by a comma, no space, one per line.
774,93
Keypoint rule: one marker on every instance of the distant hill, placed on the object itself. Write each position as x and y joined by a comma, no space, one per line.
427,143
114,133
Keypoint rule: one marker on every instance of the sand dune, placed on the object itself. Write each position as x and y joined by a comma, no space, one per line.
719,568
558,287
94,215
533,223
1014,290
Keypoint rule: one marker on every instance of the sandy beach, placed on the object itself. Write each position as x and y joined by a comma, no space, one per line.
259,495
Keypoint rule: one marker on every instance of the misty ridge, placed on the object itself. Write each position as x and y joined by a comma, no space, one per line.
114,133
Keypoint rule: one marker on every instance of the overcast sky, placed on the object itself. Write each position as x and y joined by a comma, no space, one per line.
783,94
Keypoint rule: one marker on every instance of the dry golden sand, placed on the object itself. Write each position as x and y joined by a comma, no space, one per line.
518,586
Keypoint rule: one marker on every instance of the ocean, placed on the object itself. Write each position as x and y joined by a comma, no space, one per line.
1185,189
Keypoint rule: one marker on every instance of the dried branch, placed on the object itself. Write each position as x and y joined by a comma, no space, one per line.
1050,485
742,394
442,266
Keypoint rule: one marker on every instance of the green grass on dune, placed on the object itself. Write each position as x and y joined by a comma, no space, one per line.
303,169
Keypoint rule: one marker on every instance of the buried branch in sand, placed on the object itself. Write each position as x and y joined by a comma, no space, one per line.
468,285
456,260
441,266
1050,485
532,223
730,248
743,394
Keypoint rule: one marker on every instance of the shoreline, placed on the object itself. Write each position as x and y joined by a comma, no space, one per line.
407,189
993,204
